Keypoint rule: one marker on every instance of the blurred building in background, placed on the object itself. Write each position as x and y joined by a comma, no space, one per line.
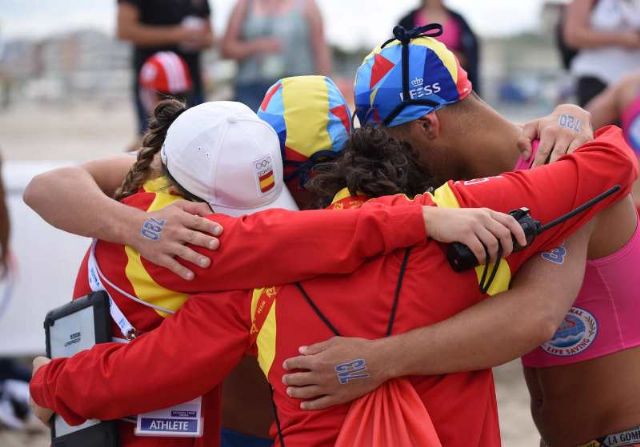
88,64
79,65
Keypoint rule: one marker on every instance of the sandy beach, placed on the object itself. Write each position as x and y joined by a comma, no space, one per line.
81,132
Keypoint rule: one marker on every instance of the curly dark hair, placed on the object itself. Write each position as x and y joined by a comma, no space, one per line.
374,164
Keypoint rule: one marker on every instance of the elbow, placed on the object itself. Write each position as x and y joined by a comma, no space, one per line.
546,329
572,37
542,325
122,33
32,191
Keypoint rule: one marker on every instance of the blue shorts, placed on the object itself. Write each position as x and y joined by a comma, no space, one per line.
232,438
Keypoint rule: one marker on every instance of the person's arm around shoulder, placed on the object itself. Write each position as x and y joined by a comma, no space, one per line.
488,334
234,46
565,129
579,34
321,52
76,199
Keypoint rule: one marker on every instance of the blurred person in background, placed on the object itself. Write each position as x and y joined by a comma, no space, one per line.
606,35
181,26
621,102
14,378
5,227
272,39
164,75
457,34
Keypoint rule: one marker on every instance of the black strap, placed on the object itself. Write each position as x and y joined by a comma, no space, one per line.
396,297
485,283
276,418
405,36
317,311
394,306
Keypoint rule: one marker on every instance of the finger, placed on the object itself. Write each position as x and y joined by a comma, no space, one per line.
524,146
39,362
299,379
547,141
169,263
489,241
561,146
307,392
199,239
196,208
187,254
202,224
514,227
576,143
530,130
315,348
476,248
503,234
320,403
299,362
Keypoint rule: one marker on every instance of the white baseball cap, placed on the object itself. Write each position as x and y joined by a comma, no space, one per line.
224,154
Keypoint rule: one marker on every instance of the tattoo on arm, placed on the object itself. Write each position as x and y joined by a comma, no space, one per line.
352,370
556,256
152,228
570,122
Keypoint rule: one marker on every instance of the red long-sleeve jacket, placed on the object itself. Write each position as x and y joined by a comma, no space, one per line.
191,352
276,245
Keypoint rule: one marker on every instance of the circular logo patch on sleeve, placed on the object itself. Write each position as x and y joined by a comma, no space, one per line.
576,333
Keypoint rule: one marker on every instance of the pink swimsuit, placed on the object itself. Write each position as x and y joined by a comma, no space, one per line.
451,33
605,318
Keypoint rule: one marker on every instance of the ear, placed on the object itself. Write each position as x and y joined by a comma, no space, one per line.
429,125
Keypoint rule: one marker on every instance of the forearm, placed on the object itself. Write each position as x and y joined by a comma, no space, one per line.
583,38
498,329
491,333
238,49
319,45
150,36
340,241
322,58
128,379
103,218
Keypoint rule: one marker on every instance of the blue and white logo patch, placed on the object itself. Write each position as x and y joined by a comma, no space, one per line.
576,333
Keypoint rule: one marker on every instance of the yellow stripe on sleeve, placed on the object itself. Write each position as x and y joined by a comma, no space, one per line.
144,286
445,198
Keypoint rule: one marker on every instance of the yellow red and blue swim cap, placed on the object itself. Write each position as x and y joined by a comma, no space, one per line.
312,120
407,78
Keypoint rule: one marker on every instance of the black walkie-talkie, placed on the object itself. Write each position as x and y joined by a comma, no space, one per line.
461,258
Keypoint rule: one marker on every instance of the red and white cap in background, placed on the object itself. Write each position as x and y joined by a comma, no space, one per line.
165,72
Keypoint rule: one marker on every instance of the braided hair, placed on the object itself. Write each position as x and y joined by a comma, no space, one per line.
163,116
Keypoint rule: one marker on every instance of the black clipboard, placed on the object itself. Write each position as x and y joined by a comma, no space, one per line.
71,328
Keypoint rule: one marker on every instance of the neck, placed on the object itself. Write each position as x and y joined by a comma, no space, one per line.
433,5
491,153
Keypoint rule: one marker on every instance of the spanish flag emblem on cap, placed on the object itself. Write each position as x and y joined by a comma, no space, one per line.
264,173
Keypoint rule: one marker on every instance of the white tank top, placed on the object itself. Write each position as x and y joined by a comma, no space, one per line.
609,64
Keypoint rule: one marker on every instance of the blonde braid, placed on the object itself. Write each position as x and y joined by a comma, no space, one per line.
164,115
